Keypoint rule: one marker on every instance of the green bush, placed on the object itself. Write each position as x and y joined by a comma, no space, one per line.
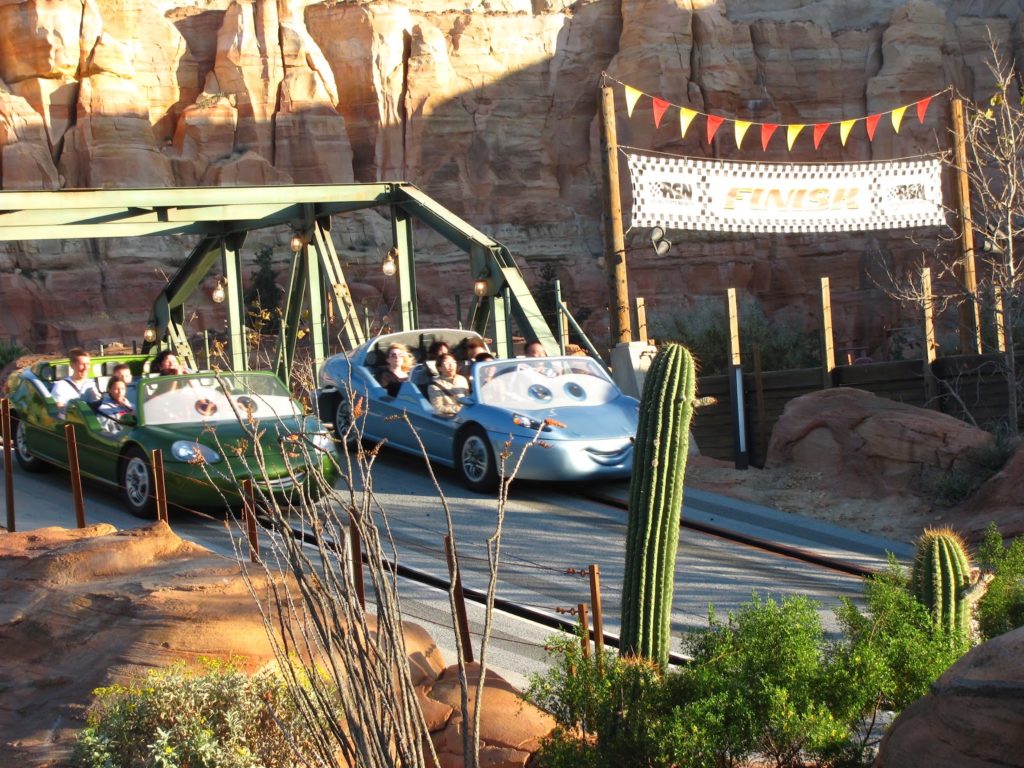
1002,607
703,328
216,717
10,350
763,683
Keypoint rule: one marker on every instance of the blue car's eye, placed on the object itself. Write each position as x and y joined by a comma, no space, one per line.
539,392
575,391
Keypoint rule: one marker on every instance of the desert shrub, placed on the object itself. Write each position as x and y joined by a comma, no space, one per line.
216,717
703,328
263,297
949,487
762,683
1002,607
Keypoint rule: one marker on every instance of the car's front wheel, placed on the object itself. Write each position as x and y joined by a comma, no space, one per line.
474,460
27,460
344,424
137,485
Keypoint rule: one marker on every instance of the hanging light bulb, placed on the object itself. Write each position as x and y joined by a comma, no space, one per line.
481,287
390,266
219,292
149,335
297,243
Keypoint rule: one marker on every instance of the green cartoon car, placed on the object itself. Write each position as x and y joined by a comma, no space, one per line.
214,431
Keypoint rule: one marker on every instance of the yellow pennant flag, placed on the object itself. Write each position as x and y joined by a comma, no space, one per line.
632,94
792,131
897,118
741,129
844,130
685,118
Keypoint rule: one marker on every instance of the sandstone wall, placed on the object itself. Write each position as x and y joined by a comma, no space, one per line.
489,106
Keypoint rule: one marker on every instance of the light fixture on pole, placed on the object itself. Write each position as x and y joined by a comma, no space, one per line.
390,266
298,242
149,335
659,243
482,287
220,290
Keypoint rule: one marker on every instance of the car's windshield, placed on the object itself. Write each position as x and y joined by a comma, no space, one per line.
209,398
542,383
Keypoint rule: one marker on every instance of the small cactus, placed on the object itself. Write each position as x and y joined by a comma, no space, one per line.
940,580
655,502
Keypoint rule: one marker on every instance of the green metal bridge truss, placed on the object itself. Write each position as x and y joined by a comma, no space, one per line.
223,216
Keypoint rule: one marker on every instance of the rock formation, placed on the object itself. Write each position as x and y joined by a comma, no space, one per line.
86,608
491,107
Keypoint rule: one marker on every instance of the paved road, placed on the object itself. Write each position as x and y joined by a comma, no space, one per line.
547,530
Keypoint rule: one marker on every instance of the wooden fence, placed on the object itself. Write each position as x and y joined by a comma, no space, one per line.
969,387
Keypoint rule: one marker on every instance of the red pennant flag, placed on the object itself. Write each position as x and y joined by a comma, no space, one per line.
819,131
767,129
922,107
872,122
714,121
660,105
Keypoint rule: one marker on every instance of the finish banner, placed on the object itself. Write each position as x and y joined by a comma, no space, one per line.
728,196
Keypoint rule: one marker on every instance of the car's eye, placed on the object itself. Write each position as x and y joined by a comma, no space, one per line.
575,391
539,392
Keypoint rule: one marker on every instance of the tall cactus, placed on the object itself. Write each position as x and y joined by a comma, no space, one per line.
655,501
940,580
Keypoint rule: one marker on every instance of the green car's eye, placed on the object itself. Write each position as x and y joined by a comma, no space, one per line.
194,453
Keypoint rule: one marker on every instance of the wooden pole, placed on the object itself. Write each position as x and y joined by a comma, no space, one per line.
734,327
615,242
5,426
828,348
581,609
159,488
249,512
736,393
970,340
356,540
595,602
461,618
76,476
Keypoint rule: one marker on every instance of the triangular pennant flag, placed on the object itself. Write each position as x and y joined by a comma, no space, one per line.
767,129
897,118
685,118
740,127
922,107
714,122
660,105
844,130
792,131
819,131
632,94
872,122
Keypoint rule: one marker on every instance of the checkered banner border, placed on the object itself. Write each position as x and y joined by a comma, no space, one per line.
728,196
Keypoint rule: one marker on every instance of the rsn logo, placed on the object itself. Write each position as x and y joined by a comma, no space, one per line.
675,190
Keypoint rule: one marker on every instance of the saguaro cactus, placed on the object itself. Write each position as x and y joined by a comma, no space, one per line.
940,580
655,501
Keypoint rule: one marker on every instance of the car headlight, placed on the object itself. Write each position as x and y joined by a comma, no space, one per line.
194,453
525,421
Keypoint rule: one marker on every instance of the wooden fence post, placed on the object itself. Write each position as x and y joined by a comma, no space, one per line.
76,476
356,545
462,620
828,349
931,386
249,513
641,319
740,447
595,602
5,426
159,488
581,610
